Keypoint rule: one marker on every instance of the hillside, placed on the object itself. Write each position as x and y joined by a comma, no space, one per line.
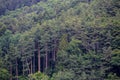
60,40
10,5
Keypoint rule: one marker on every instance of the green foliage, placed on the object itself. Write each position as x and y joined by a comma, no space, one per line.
23,78
2,29
115,57
12,5
63,75
38,76
83,66
112,77
4,74
63,42
74,46
83,36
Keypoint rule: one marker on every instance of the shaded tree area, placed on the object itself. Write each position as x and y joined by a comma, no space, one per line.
10,5
61,40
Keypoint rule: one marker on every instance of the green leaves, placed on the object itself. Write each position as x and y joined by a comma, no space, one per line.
38,76
115,57
63,75
79,39
63,42
4,74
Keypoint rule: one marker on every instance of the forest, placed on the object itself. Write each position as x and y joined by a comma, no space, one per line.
59,39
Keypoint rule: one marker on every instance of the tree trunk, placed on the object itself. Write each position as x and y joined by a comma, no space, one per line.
54,51
34,63
31,66
39,59
46,56
23,67
11,71
16,70
28,68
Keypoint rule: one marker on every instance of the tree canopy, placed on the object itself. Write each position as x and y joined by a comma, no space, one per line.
60,39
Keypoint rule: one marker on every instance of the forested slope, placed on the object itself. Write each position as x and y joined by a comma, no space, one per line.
10,5
61,40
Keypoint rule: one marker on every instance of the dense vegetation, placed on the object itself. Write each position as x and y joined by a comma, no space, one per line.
60,40
9,5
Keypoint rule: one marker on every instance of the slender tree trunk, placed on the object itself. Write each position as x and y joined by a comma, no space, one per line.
11,71
16,70
34,63
46,56
23,68
31,66
22,62
28,66
54,52
39,69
